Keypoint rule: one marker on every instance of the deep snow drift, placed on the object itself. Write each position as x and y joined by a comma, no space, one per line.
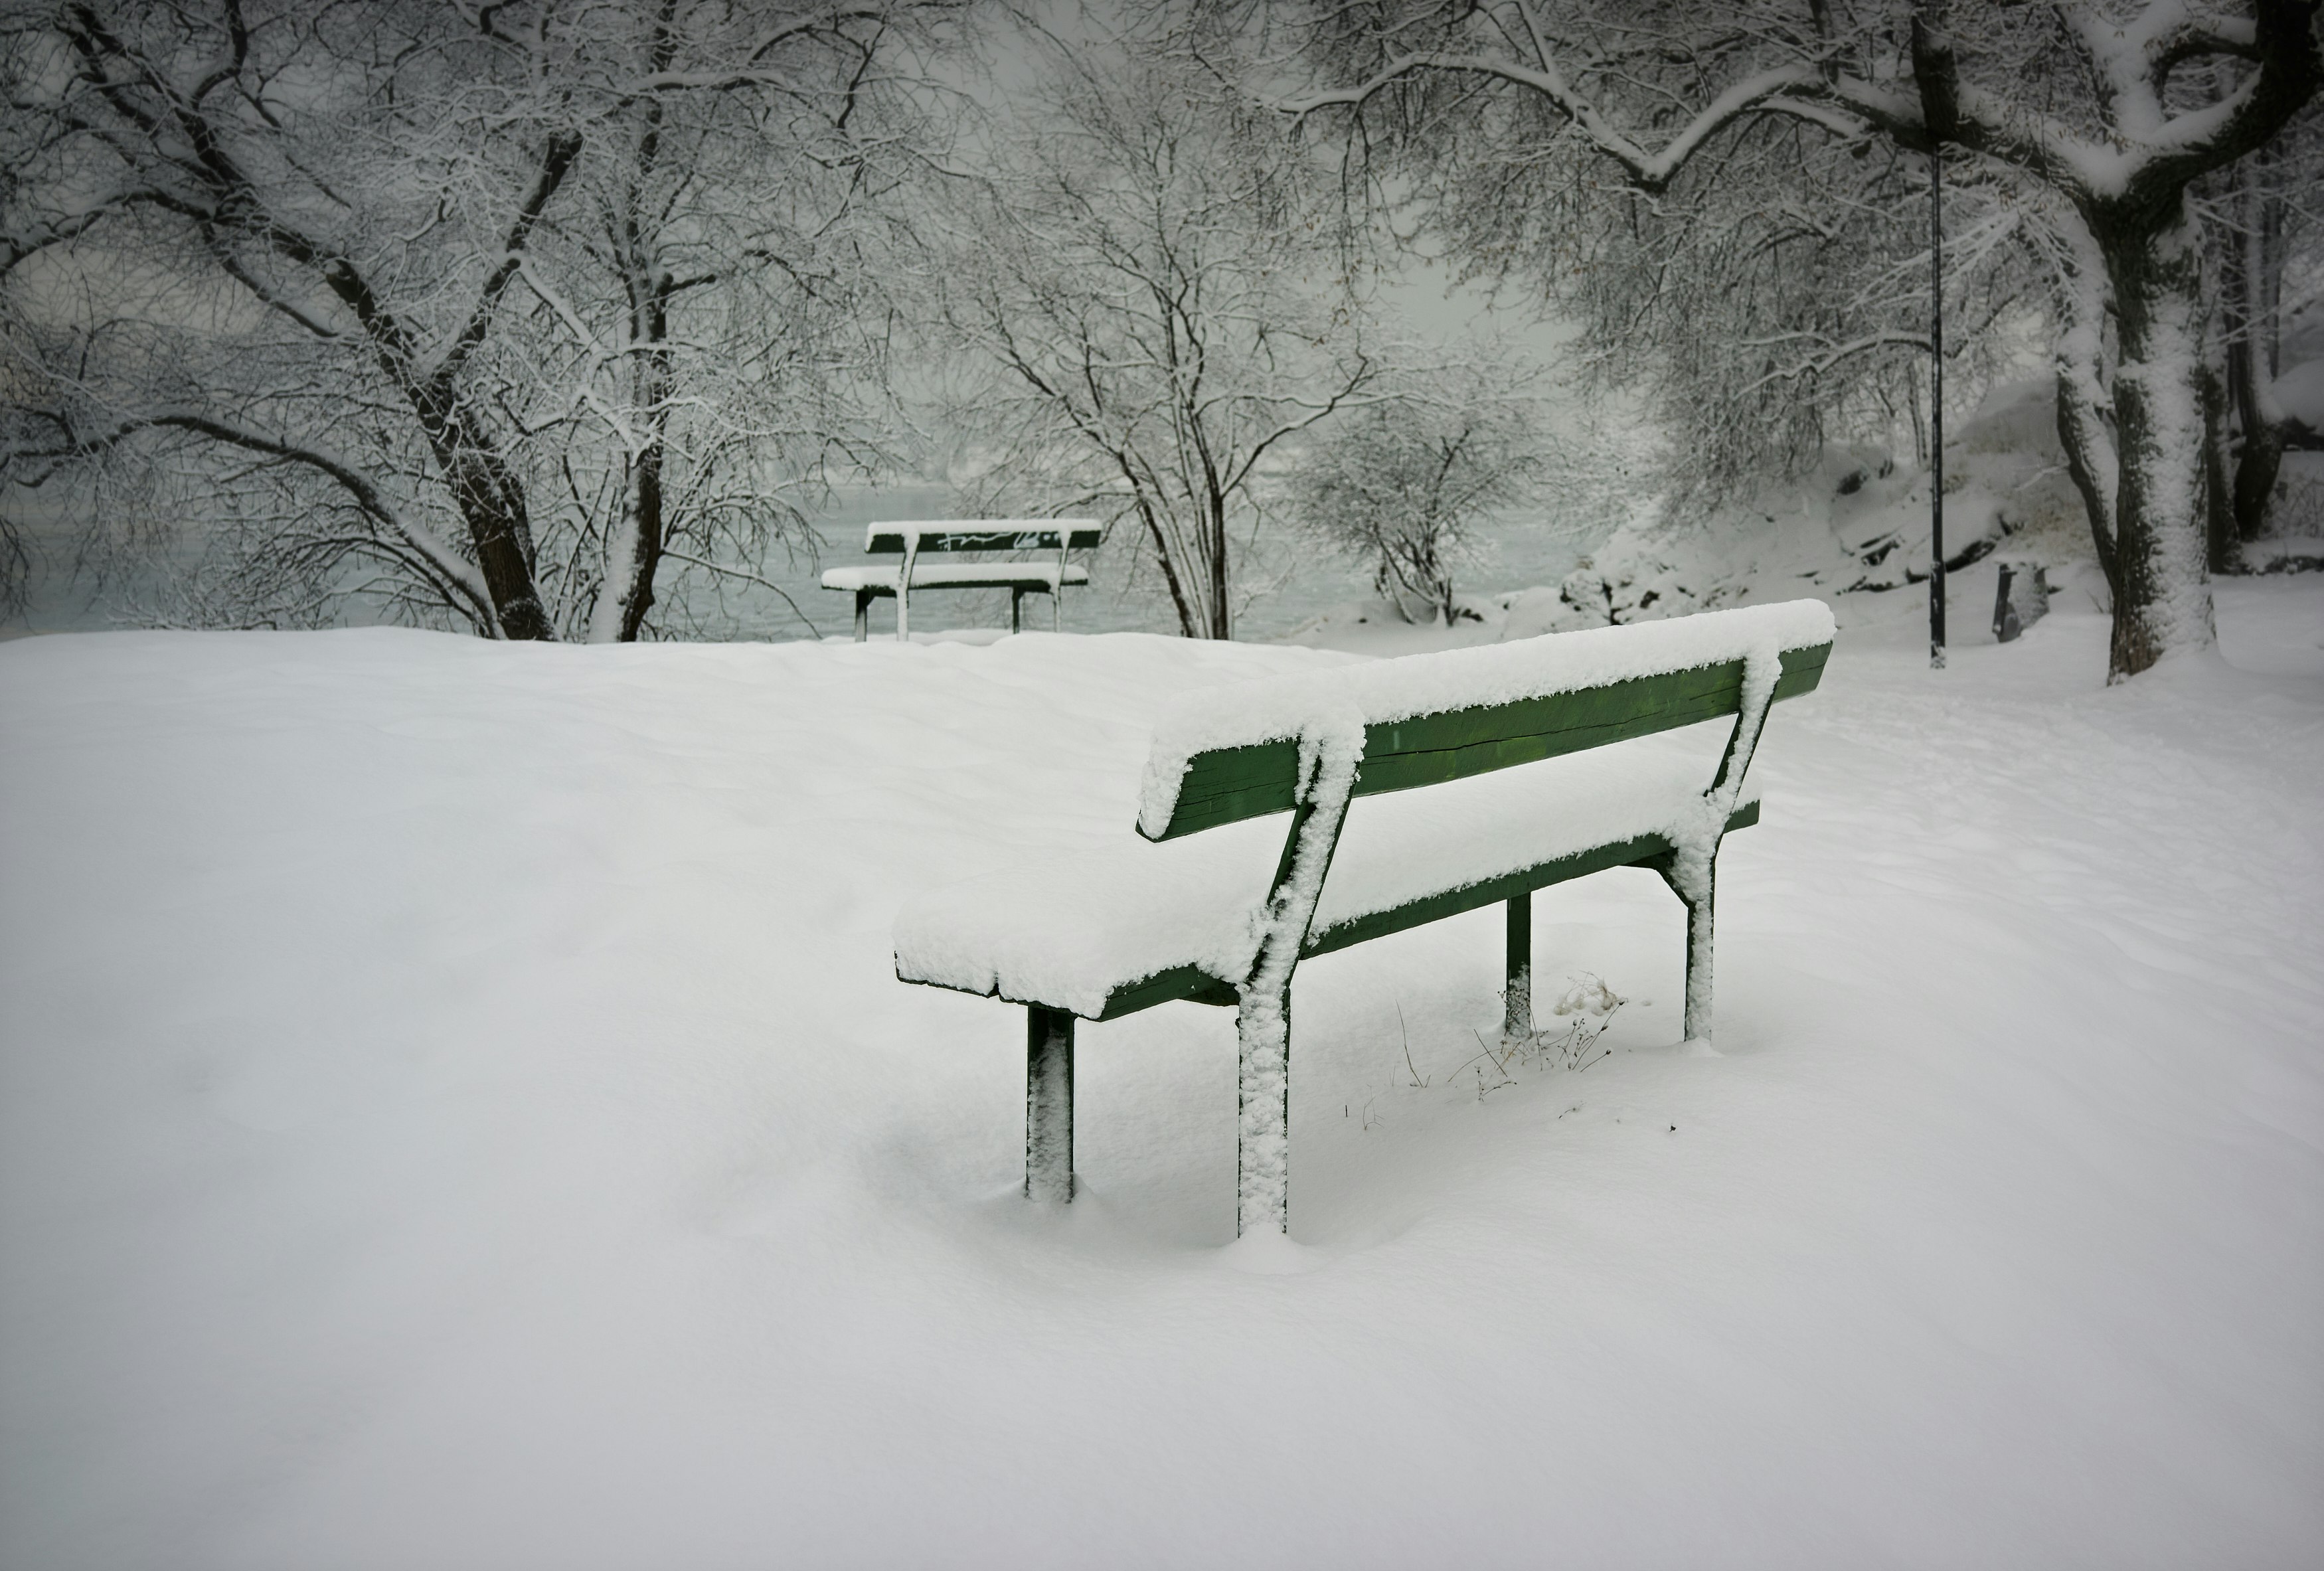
456,1111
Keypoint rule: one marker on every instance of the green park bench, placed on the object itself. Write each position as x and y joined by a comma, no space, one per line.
914,540
1204,903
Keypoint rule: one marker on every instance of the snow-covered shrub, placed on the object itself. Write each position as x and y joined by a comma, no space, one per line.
1402,486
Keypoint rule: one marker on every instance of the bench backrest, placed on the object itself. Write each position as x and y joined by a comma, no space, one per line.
1233,753
984,535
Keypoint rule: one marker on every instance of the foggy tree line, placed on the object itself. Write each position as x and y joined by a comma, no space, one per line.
554,320
504,316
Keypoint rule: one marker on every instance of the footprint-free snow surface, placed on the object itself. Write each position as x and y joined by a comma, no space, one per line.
456,1111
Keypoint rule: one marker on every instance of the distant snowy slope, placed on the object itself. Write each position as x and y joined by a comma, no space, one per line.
1856,524
1853,530
456,1111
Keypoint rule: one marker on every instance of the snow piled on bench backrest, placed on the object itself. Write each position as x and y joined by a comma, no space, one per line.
1246,714
917,532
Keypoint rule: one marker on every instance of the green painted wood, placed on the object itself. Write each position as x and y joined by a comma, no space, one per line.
967,539
1192,983
1452,902
1187,982
1233,783
1517,968
1034,582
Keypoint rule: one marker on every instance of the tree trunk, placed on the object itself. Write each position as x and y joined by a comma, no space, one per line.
2219,490
2089,445
627,592
2162,598
1217,531
2251,283
491,500
1168,564
634,557
2084,407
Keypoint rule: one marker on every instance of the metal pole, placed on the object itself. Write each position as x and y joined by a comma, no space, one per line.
1936,407
1048,1103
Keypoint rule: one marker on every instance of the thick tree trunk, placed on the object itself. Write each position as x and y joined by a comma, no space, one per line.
491,500
2163,593
633,557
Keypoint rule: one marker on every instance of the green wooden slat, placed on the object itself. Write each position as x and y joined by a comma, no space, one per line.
1190,982
1234,783
1452,902
1435,748
1027,539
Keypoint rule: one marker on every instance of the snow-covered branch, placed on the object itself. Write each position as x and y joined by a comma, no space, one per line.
1650,170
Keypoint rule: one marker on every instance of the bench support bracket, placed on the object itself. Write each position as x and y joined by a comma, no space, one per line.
904,588
1697,940
1048,1103
1327,768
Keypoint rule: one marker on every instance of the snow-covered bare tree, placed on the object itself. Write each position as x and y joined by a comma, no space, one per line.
498,315
1156,284
2265,215
2101,116
1401,484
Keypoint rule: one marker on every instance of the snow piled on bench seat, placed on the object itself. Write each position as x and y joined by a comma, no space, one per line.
967,575
1070,930
1401,689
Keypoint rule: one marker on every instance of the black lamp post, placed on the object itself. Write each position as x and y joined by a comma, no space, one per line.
1936,407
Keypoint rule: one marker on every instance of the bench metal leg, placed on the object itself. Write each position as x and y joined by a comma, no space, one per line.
1263,1110
863,616
1048,1103
1697,892
1016,609
1517,995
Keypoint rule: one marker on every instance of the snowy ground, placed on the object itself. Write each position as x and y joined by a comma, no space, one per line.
454,1112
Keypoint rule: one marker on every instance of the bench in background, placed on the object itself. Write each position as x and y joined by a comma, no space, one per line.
914,540
1206,907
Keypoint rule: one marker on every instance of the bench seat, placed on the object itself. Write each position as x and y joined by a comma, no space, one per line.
915,541
1119,927
882,581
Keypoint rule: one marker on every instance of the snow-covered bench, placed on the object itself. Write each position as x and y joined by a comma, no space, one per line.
1206,907
916,539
